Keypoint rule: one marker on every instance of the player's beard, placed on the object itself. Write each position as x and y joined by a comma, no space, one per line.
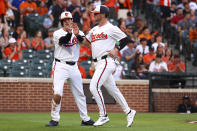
98,19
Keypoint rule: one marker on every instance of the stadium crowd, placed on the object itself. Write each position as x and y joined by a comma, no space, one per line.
28,26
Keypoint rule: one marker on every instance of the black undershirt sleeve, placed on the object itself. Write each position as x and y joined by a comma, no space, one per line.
65,39
122,43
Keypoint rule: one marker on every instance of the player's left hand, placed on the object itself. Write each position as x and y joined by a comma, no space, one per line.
75,28
113,53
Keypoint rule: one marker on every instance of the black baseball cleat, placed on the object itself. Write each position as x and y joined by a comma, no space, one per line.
53,123
87,123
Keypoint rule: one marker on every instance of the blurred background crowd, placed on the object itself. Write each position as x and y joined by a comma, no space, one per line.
163,35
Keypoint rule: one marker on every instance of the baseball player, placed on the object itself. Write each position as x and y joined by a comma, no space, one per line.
65,68
103,38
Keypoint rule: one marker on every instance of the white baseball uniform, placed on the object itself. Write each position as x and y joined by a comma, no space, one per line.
64,71
103,39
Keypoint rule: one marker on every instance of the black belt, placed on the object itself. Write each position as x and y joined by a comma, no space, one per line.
103,57
67,62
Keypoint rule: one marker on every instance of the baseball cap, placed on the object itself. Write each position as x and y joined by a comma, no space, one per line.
185,97
12,40
66,15
101,9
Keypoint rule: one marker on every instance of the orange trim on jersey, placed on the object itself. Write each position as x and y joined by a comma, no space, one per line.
97,87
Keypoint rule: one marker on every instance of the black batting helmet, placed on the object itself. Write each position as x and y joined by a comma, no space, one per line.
101,9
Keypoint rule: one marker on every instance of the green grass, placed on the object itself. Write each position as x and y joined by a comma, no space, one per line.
71,122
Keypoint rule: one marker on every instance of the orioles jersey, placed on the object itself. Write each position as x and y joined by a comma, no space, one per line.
69,51
103,39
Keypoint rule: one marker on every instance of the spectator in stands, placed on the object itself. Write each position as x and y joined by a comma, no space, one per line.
3,4
49,40
91,70
10,17
27,7
129,54
19,29
145,34
111,4
56,12
129,31
158,65
158,42
181,5
186,106
142,47
160,50
149,57
38,42
168,56
124,4
171,12
193,18
85,53
130,19
82,70
4,38
193,5
13,51
23,41
16,4
152,40
138,67
186,8
76,11
118,74
88,18
183,29
178,17
177,66
42,9
193,43
139,25
136,37
122,25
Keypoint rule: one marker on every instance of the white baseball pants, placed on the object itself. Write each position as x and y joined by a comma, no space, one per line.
103,76
62,72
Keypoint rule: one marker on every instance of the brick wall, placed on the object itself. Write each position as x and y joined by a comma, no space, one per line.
167,100
34,95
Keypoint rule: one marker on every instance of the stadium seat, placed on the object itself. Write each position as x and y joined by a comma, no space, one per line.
20,67
35,67
28,56
18,73
22,62
5,62
2,73
7,69
43,52
45,57
37,73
